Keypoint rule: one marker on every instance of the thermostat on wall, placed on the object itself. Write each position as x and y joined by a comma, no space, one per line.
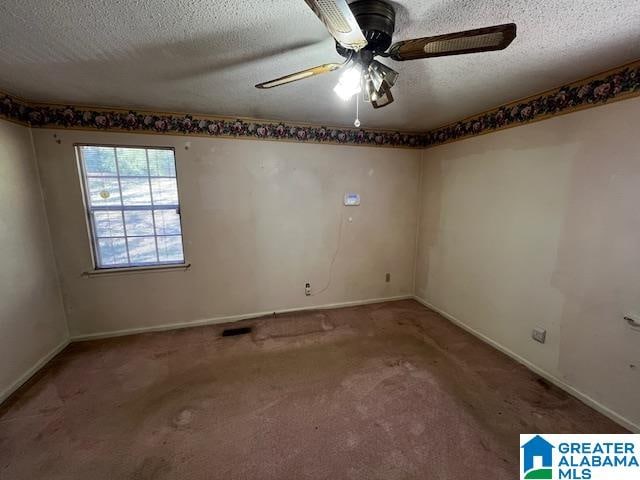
351,199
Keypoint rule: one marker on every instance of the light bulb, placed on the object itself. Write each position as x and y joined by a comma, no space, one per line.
349,83
351,76
345,93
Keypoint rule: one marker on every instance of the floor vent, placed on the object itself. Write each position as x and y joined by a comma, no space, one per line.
230,332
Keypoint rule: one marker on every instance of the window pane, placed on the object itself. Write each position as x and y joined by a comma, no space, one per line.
132,198
135,191
108,224
162,163
112,252
99,161
139,222
142,250
103,191
170,249
167,222
132,161
165,191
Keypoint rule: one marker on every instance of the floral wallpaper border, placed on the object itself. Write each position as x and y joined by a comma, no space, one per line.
95,118
613,85
617,84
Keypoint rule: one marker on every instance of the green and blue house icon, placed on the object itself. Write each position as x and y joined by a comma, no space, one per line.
537,447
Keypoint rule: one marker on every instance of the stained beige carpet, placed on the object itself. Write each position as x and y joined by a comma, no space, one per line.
387,391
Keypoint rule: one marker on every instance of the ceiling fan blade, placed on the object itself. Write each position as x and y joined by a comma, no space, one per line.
339,20
301,75
486,39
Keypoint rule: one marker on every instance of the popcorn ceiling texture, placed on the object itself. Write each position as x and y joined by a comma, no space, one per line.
205,56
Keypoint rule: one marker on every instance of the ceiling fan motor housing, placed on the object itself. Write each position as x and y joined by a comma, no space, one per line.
377,21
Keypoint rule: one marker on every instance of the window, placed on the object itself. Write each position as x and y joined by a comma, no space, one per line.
131,194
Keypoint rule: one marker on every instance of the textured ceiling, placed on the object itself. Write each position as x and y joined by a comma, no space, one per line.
205,56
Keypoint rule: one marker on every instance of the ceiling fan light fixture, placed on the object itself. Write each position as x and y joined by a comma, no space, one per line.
350,83
383,96
369,90
380,80
376,77
387,74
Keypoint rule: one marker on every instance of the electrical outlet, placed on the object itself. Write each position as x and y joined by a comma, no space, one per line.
307,289
539,334
387,277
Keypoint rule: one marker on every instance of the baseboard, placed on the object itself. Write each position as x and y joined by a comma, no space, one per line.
583,397
6,393
230,318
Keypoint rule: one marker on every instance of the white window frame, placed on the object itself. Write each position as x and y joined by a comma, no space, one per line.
150,266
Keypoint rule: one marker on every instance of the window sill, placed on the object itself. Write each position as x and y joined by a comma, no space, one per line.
131,270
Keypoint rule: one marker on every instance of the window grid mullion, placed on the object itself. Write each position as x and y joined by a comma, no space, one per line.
140,236
130,176
115,208
94,234
153,212
124,223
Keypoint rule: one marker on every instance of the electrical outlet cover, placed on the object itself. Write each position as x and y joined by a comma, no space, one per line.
539,334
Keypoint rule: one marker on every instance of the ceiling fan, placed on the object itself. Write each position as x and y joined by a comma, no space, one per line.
363,31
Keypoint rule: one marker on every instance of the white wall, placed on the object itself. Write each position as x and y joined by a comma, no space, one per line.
540,226
32,323
259,219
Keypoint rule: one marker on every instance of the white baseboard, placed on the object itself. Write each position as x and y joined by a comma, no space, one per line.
229,318
32,371
583,397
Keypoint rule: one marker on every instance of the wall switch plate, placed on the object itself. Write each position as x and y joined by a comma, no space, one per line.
351,199
387,277
539,334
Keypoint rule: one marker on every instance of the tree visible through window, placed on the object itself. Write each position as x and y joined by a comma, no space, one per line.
132,204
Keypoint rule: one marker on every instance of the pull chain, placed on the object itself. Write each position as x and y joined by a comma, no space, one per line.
357,122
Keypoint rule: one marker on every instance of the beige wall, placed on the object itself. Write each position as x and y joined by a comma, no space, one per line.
532,226
540,226
32,323
259,219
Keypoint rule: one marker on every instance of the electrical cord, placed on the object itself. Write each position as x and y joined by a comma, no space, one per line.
335,255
